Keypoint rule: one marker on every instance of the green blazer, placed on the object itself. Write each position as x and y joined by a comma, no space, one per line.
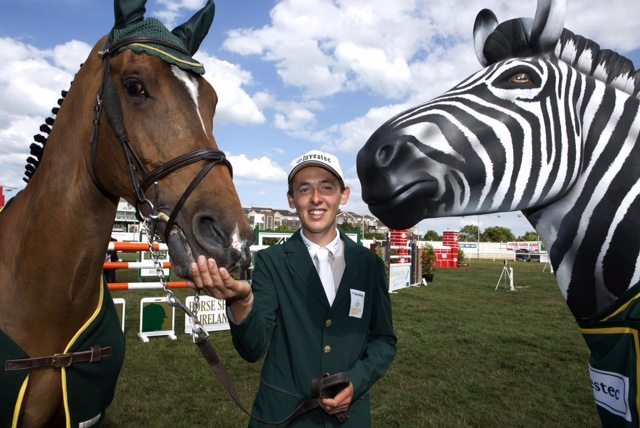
292,322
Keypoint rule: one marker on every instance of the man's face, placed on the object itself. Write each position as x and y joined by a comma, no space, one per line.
316,197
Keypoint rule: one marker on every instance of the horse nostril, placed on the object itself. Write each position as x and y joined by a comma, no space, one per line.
208,233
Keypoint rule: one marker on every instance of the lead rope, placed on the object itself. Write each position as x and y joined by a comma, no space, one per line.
197,331
200,335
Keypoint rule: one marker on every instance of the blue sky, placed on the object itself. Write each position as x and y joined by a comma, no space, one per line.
291,75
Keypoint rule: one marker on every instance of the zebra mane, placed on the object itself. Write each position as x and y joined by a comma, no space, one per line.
511,39
603,64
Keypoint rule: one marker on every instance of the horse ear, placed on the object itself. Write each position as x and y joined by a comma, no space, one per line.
486,22
548,24
128,12
196,28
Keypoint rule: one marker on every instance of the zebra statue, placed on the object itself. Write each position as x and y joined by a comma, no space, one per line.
550,127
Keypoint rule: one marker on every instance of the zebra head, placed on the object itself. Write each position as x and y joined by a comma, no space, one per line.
490,144
550,127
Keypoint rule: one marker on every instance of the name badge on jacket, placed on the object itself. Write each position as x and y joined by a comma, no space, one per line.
357,303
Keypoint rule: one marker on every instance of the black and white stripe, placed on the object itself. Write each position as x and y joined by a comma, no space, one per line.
555,135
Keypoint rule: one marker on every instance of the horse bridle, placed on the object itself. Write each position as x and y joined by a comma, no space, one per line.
108,98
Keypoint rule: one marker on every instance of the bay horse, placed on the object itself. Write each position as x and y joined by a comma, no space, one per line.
550,127
62,347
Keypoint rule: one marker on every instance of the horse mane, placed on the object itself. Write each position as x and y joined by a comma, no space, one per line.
511,39
37,149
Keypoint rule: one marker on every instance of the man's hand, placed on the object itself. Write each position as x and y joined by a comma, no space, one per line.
339,404
218,283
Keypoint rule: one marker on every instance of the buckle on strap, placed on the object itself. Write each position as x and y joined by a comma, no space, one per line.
61,360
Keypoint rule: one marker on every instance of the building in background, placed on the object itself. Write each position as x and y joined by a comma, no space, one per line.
126,226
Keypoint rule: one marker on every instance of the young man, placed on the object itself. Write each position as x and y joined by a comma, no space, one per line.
307,319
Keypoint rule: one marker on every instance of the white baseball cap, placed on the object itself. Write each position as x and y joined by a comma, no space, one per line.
316,158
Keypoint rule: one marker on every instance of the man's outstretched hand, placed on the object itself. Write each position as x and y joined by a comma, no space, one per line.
218,283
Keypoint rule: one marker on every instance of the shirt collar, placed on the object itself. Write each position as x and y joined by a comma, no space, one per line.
332,246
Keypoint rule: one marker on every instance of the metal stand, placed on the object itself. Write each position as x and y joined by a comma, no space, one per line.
507,273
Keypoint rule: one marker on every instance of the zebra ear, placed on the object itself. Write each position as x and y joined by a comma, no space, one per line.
196,28
486,22
548,24
128,12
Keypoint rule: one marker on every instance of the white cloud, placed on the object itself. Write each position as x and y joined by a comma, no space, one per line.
408,51
350,136
68,56
622,31
296,119
171,10
327,47
262,168
29,83
234,103
322,57
29,87
373,69
292,117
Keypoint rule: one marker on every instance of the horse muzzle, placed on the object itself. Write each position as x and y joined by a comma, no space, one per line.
209,238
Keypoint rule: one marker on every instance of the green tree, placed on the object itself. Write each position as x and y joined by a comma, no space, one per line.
427,259
497,234
469,233
349,228
432,235
529,236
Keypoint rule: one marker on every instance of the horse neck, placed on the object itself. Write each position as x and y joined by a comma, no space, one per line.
591,231
55,234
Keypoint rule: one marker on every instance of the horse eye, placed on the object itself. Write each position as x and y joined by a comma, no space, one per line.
521,79
135,88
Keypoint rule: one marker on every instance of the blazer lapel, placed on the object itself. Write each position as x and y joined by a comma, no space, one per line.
300,263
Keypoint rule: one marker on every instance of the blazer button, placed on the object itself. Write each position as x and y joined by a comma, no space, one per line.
328,323
327,349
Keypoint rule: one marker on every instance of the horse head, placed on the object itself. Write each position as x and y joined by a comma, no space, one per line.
157,149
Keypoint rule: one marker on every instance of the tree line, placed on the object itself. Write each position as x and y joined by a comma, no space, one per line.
469,233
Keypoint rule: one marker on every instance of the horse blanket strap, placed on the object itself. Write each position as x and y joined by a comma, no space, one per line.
323,386
614,364
87,389
60,360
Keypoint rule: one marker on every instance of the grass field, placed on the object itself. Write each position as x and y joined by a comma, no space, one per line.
468,356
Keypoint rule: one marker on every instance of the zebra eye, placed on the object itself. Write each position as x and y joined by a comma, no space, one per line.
521,79
518,78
